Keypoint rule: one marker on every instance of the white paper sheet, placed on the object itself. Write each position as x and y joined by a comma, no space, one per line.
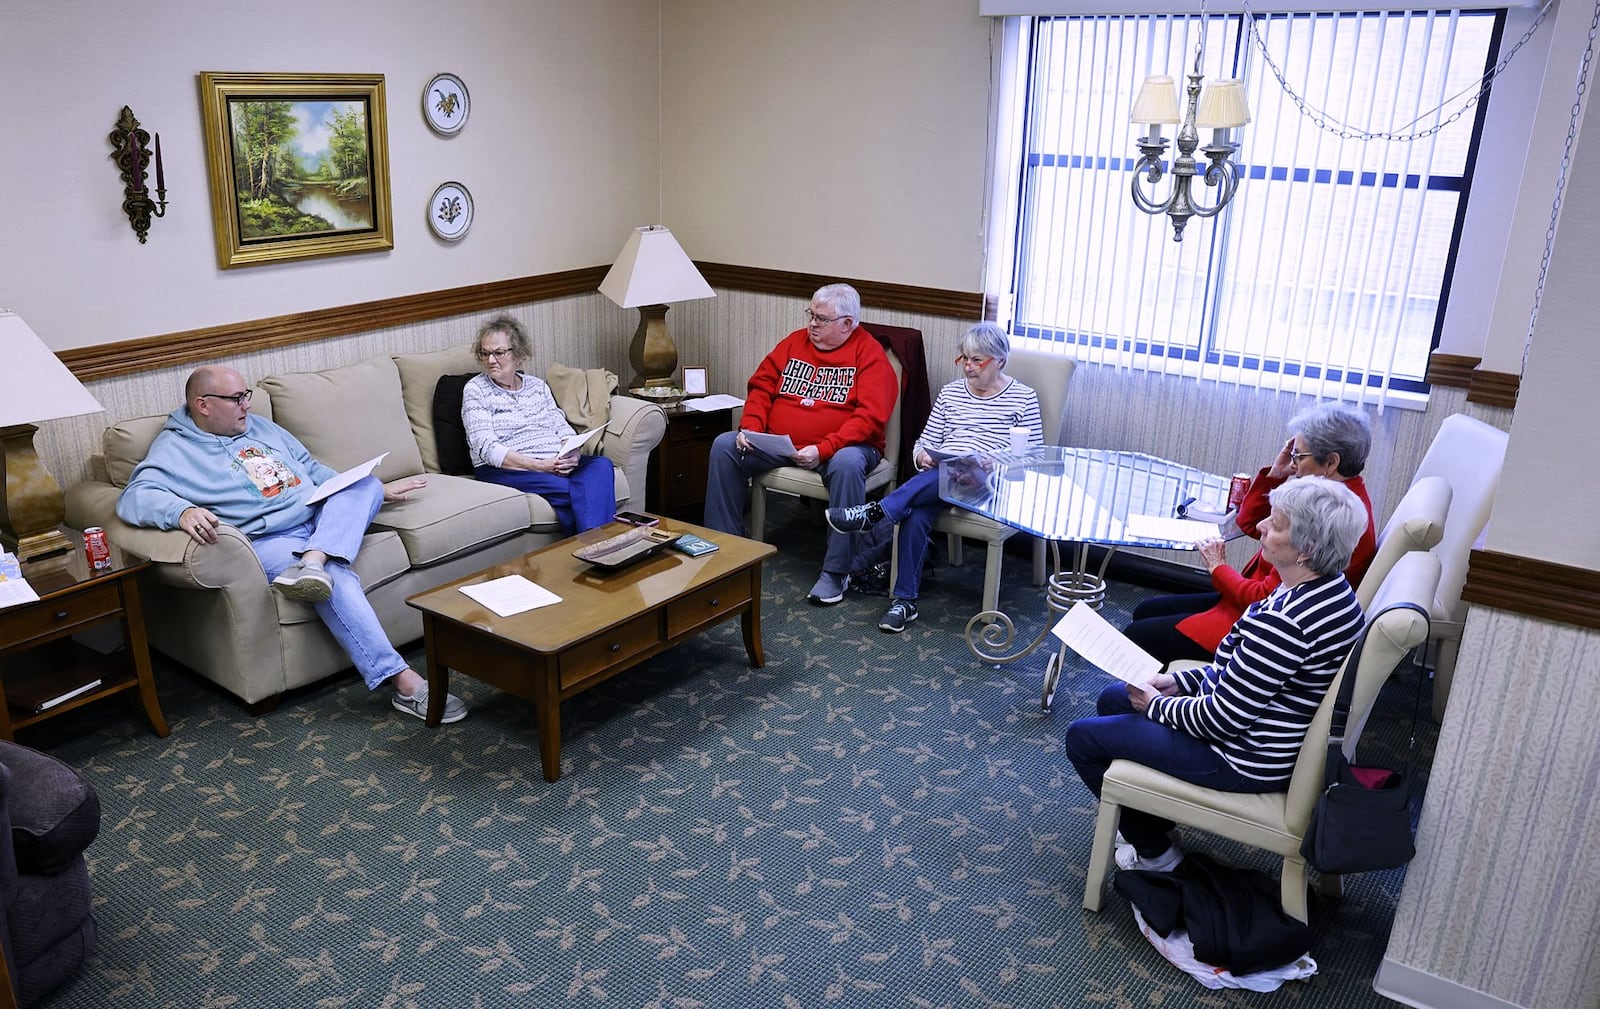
345,479
510,595
1157,527
720,401
1089,634
773,444
577,441
14,589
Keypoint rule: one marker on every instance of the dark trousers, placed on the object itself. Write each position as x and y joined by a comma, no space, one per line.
1155,626
1117,732
584,499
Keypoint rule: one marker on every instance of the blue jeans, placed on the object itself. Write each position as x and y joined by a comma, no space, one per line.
913,505
584,499
336,529
1117,732
728,489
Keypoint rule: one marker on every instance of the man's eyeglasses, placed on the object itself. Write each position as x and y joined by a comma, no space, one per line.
977,362
813,319
484,355
237,399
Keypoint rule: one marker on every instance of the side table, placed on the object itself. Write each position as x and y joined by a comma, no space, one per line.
36,639
677,481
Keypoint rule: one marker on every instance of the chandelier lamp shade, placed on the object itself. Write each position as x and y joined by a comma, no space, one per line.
651,271
1221,108
34,386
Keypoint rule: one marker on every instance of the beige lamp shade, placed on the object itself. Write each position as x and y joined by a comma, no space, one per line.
651,270
1157,101
1222,106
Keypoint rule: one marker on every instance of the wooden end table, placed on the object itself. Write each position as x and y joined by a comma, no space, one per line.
676,481
36,638
606,622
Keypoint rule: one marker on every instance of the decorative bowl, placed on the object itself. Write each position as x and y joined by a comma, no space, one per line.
660,395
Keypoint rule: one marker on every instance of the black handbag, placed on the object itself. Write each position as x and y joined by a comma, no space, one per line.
1362,822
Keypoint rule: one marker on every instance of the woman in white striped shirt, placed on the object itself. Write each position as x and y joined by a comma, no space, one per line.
1236,725
972,415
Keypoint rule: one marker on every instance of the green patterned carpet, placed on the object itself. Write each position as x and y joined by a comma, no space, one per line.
871,820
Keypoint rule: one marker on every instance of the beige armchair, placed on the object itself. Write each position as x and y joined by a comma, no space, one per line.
1277,821
1049,375
807,483
1417,524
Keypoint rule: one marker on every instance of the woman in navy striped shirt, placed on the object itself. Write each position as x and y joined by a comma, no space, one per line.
1236,725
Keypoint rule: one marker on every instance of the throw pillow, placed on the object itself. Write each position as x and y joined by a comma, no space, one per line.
584,395
55,813
450,436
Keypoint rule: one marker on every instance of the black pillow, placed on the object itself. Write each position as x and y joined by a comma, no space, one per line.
55,812
449,435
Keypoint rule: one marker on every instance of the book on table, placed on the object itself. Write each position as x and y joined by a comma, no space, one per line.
41,688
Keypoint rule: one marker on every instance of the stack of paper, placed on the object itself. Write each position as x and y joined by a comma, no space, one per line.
14,589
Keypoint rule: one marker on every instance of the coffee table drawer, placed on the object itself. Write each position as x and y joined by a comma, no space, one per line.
709,604
43,620
619,644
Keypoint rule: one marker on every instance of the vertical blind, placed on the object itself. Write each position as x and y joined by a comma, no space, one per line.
1328,271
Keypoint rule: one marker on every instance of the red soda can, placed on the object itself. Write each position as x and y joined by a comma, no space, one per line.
96,549
1237,490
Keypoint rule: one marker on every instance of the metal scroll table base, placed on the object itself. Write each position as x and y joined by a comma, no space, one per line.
990,633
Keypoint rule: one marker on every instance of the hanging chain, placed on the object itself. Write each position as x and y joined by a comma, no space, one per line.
1561,181
1324,121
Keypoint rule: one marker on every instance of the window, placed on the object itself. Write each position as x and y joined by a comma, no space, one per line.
1328,271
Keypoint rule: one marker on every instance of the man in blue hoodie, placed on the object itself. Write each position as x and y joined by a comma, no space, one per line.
214,462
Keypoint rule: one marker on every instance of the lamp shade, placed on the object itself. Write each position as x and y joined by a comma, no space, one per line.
653,269
1222,105
34,384
1157,101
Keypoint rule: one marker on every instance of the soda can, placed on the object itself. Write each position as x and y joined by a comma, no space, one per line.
96,549
1237,490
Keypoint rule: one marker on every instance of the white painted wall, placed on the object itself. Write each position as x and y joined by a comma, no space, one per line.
560,152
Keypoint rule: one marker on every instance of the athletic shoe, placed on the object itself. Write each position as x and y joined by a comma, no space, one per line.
417,705
855,518
899,613
305,581
829,588
1128,858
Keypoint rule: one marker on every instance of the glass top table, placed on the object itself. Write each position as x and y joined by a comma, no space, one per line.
1081,497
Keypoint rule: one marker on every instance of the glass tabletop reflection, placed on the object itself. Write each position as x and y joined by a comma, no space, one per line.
1085,495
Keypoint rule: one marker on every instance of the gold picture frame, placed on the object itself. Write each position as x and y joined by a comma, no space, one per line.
299,165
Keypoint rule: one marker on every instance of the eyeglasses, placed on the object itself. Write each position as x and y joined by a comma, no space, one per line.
977,361
484,355
237,399
813,319
1295,457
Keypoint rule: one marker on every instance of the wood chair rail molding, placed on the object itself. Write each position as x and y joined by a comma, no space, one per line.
127,357
1451,369
1494,388
1533,587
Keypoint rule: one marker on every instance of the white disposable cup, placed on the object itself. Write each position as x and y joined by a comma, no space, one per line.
1019,440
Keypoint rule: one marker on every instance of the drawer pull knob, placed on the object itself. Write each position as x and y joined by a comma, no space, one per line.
61,614
615,649
715,603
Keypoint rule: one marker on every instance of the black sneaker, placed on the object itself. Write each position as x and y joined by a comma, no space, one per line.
899,613
855,518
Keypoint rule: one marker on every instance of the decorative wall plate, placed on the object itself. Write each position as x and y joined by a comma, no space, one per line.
450,211
445,104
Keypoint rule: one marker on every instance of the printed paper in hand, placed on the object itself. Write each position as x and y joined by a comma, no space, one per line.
705,404
345,479
1086,632
773,444
1155,527
577,441
510,595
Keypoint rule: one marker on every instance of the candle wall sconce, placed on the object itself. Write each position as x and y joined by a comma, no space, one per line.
131,151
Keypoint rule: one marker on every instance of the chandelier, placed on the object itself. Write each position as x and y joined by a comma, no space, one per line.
1220,108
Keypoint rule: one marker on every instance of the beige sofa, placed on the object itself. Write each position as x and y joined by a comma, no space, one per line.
211,608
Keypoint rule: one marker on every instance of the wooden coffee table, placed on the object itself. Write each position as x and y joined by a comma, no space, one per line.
606,622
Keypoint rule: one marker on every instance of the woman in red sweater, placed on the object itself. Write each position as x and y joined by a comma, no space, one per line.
1330,440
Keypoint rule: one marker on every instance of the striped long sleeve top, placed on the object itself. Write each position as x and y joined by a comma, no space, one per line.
1256,699
961,422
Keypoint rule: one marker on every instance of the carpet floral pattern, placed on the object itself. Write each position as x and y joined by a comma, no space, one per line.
869,820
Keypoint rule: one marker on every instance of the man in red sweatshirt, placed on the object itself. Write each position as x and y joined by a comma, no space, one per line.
830,388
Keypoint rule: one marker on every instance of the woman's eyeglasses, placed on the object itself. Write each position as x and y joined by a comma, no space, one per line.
977,362
1295,457
484,355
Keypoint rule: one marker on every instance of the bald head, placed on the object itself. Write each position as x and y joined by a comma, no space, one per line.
210,395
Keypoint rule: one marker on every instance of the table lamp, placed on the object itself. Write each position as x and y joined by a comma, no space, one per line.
652,270
34,386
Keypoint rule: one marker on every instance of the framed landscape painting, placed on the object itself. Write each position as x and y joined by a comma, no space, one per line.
299,165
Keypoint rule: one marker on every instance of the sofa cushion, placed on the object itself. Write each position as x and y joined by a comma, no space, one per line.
345,416
127,442
449,434
419,377
55,813
584,395
453,515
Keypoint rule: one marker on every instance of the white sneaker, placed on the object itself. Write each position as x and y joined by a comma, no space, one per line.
1128,858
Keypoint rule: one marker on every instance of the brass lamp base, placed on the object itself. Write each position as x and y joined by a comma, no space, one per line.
31,511
652,354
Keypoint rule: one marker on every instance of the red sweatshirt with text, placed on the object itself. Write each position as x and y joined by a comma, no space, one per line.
826,398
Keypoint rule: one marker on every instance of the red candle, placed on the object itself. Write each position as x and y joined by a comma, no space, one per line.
161,176
135,162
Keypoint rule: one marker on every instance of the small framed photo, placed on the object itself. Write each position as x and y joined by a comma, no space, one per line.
694,381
